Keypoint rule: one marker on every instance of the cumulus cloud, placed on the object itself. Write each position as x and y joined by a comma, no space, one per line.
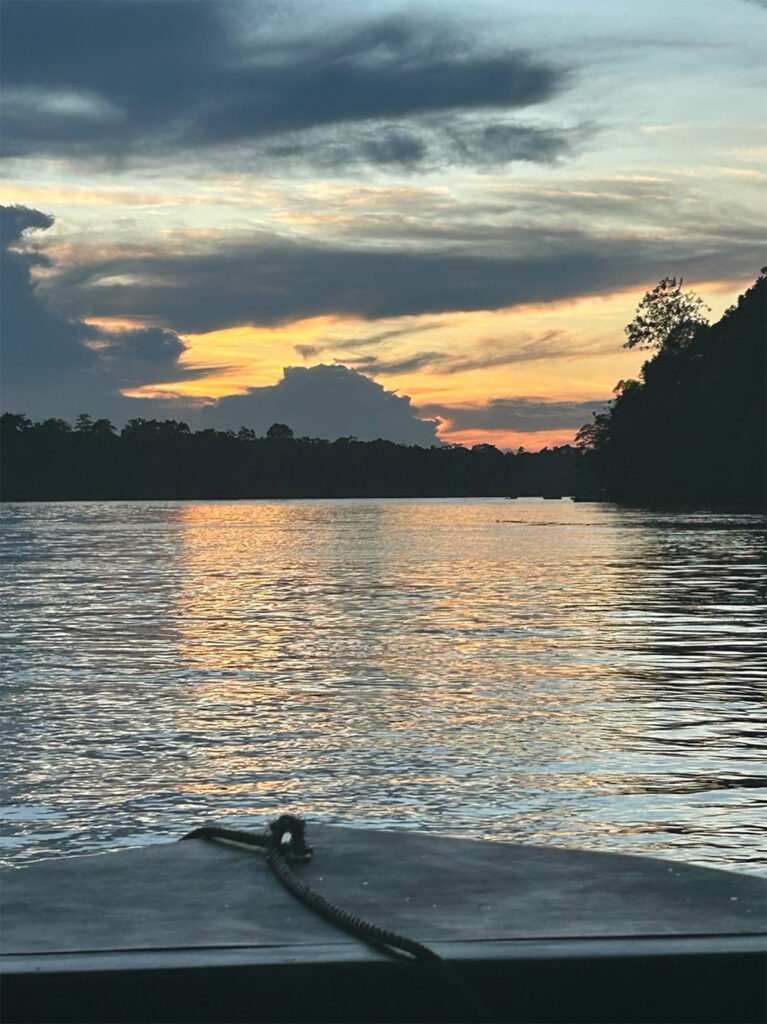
52,364
121,78
523,415
325,401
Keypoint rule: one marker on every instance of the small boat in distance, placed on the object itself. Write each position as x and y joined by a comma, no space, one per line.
204,932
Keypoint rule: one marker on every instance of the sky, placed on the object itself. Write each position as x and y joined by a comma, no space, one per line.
422,221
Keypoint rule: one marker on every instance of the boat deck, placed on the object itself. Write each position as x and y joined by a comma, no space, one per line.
198,931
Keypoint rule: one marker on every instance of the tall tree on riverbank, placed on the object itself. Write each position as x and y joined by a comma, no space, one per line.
692,429
666,317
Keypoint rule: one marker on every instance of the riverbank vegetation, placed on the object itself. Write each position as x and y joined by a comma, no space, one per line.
151,459
692,429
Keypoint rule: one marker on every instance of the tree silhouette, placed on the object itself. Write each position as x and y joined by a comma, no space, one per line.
692,430
14,423
84,423
666,316
103,428
279,432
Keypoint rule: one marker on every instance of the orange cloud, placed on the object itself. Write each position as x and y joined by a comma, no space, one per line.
113,323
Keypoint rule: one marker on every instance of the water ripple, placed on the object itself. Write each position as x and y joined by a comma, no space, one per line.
573,674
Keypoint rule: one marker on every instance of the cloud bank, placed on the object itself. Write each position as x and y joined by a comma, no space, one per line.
120,79
272,280
55,364
38,344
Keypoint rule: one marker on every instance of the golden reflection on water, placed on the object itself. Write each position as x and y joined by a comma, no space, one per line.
550,671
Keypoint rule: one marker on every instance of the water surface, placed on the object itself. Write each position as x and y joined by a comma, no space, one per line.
558,673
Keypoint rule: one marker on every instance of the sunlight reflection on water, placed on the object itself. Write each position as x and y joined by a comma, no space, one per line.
553,672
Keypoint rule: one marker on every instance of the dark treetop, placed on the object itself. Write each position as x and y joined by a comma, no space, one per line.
692,429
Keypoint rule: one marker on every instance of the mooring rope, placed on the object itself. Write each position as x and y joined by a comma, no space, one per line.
284,842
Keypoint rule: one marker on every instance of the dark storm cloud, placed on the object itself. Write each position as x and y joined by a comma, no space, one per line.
114,78
273,281
146,355
48,358
15,220
38,345
325,401
526,415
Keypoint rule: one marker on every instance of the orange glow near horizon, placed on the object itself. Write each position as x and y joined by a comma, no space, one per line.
531,441
564,351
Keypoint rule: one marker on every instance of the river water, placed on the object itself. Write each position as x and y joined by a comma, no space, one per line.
545,671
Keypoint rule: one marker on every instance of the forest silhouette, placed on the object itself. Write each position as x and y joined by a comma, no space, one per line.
165,459
690,431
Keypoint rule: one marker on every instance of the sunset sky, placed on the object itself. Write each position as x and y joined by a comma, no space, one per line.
422,221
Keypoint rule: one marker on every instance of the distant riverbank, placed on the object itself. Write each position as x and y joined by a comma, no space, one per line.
164,460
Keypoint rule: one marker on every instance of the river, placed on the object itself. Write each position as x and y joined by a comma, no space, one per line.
553,672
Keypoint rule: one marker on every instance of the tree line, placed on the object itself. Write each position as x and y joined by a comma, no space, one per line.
164,459
692,429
